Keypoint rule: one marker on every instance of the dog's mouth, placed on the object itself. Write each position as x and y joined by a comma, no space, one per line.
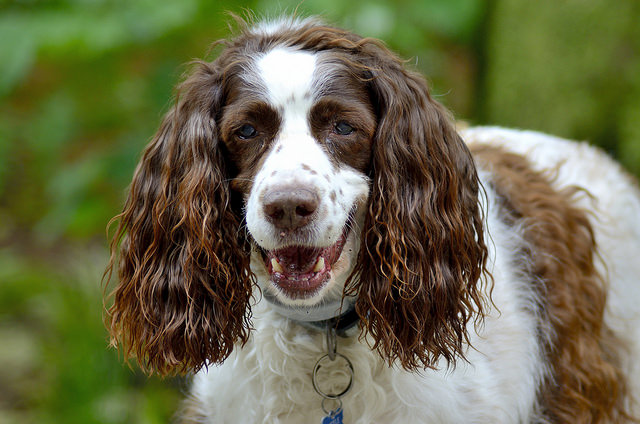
301,271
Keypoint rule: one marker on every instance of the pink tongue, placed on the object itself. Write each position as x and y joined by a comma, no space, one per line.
297,259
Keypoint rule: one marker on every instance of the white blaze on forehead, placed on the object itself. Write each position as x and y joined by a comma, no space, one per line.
288,76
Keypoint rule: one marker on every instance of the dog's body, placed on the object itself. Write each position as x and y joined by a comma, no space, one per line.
505,367
495,288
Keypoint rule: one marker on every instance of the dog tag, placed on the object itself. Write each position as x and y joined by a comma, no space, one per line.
334,417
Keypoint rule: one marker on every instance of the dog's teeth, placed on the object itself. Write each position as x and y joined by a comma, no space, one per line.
319,265
275,265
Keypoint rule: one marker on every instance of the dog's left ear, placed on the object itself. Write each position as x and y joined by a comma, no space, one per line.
418,276
183,298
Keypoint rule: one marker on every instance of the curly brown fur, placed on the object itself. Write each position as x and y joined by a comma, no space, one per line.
183,262
420,270
585,384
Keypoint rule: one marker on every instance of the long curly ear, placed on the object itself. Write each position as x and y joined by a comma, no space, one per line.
423,255
183,265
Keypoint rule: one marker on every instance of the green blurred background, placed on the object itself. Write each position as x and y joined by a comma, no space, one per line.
84,83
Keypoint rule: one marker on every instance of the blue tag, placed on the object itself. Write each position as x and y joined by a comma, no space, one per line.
335,417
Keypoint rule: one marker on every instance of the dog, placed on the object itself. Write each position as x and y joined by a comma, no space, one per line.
310,236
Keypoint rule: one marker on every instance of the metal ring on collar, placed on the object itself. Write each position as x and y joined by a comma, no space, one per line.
317,367
329,411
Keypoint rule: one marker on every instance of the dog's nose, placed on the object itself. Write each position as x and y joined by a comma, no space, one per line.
289,208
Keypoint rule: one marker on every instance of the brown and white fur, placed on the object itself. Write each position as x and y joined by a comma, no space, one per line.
495,272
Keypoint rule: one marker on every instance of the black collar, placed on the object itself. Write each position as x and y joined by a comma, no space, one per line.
304,317
341,323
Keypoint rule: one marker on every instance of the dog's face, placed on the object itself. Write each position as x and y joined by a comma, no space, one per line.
302,147
308,160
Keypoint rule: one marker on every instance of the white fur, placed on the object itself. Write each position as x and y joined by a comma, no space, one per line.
615,211
269,380
289,77
278,24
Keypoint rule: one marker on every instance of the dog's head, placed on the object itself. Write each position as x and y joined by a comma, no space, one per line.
309,161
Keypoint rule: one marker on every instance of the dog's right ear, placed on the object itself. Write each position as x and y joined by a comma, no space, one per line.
183,297
421,271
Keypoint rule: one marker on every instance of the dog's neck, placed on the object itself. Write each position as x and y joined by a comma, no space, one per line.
341,314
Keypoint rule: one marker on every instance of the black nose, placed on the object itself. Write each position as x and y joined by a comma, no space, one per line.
291,207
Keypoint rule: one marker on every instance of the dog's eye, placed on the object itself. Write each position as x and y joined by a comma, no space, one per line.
342,128
246,132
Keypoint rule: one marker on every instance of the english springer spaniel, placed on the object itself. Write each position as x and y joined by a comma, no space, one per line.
312,237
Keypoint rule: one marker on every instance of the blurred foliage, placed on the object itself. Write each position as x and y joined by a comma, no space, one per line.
84,83
65,374
56,368
571,68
